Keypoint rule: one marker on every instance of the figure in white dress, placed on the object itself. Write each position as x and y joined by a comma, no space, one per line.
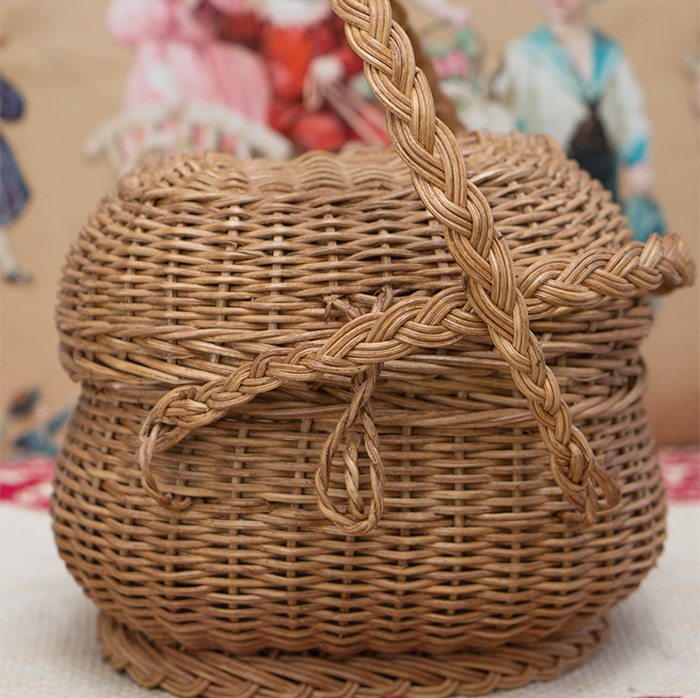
570,81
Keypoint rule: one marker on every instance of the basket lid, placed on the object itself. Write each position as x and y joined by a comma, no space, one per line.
203,261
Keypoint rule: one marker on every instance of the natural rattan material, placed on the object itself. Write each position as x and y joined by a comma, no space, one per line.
365,676
313,421
253,563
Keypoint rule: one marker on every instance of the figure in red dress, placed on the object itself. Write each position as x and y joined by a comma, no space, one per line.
309,63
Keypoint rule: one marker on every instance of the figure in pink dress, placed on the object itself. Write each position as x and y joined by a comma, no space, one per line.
181,61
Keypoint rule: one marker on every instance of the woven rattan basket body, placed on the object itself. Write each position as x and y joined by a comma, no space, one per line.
323,417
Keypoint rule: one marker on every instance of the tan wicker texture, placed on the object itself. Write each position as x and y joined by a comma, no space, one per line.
302,430
284,675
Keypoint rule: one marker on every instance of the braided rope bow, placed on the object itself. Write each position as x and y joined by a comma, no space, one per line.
439,174
393,332
496,301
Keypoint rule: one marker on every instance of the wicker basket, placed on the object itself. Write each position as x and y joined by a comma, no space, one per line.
360,424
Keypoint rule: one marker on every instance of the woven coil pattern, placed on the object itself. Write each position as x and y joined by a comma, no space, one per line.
475,546
360,403
440,178
409,676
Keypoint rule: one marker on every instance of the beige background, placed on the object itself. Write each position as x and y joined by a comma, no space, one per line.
72,73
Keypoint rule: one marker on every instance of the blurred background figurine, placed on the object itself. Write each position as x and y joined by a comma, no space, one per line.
570,81
28,429
14,193
310,65
187,89
30,437
691,61
457,49
179,58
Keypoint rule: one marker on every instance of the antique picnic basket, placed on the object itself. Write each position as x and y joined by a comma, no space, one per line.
360,424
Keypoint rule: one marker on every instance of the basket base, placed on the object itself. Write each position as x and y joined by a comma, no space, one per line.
212,674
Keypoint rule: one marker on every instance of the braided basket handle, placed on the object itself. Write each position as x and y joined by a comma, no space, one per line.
396,329
432,153
444,106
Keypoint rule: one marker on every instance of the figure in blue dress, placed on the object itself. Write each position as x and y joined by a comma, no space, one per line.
14,193
570,81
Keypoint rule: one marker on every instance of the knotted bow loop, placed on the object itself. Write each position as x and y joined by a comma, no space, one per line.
362,518
431,322
431,151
